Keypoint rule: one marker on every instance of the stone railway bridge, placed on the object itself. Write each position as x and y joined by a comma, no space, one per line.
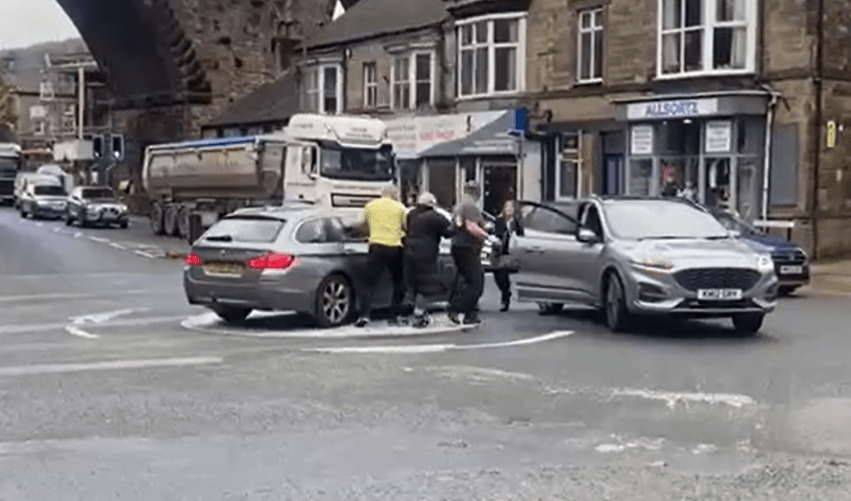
171,65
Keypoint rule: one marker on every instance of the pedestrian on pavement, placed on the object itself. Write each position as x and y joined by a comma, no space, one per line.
385,219
504,263
425,228
466,252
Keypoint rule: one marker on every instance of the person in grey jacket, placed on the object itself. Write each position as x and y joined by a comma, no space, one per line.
466,252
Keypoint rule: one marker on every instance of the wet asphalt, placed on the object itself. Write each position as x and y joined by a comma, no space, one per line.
111,386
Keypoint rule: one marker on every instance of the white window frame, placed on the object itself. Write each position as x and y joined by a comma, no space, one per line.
320,86
520,45
597,15
370,85
411,81
709,10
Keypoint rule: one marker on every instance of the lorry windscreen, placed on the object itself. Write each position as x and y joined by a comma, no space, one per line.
357,163
8,168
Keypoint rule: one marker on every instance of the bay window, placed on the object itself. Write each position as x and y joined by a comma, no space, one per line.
413,80
707,36
322,89
491,55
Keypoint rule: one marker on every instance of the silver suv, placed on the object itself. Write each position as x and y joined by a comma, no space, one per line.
631,255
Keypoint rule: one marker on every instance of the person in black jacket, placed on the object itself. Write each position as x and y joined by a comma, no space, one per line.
504,226
422,244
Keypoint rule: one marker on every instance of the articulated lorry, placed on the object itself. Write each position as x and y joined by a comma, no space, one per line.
10,165
339,161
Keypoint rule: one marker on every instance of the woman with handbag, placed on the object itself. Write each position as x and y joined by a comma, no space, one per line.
504,263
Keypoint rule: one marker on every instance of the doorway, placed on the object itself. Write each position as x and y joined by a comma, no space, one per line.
500,186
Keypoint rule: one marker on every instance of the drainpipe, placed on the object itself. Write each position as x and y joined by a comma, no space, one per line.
819,87
769,136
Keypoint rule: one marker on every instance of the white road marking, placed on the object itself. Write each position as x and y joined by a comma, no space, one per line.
77,295
649,444
78,235
144,254
98,239
437,348
117,246
57,230
671,399
31,370
76,331
98,318
39,224
136,322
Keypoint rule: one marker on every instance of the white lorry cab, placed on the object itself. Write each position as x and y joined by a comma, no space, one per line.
10,165
340,161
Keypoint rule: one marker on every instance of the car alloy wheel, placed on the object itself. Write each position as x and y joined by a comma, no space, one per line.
615,304
334,301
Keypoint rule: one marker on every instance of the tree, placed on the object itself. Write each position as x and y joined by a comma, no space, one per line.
8,119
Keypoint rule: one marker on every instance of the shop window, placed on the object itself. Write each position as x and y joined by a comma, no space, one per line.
491,55
322,90
680,137
590,46
442,181
370,85
707,36
413,80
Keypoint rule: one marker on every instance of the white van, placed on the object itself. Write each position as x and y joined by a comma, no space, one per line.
43,197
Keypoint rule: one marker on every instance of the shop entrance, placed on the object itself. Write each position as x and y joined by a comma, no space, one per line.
500,185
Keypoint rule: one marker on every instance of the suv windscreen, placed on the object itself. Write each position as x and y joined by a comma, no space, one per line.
658,220
245,229
54,191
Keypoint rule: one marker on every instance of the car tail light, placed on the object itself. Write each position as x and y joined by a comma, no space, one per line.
271,261
193,260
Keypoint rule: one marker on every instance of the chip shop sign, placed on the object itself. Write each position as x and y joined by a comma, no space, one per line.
681,108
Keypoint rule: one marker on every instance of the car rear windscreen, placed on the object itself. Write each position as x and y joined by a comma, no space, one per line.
49,191
246,229
98,193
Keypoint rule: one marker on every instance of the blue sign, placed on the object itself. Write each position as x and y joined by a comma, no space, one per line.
519,122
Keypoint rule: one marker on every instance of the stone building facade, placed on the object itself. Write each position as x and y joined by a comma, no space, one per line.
651,89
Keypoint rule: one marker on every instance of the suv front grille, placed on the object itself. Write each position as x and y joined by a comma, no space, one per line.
717,278
796,256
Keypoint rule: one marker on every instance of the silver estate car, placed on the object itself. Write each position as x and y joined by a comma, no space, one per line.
630,256
291,258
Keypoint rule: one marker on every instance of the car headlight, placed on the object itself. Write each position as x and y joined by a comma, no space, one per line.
764,262
654,264
122,208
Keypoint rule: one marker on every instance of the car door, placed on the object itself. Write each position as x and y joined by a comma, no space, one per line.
547,236
587,256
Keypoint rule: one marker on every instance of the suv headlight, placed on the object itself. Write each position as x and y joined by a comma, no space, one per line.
122,208
764,262
654,264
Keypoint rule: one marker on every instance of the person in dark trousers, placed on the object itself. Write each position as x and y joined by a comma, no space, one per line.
425,228
507,224
385,219
466,252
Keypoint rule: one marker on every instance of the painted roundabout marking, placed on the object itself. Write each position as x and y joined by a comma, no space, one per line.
210,323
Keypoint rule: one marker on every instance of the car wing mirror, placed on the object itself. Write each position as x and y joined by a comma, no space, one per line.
587,236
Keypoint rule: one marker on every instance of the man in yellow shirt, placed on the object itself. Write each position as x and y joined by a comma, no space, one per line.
385,218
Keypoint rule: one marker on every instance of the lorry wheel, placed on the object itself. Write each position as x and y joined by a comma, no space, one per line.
183,222
156,218
170,220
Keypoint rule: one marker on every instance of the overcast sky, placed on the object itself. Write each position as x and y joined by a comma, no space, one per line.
26,22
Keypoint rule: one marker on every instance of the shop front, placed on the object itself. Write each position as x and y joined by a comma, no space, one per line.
449,150
707,147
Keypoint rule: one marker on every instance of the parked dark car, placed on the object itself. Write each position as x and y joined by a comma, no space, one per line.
791,263
95,206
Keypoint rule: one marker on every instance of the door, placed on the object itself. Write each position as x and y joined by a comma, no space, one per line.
548,237
587,256
613,174
500,186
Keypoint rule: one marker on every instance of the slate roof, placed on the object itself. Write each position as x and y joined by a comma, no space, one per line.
273,102
372,18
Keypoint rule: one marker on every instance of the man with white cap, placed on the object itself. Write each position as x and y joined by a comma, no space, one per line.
425,228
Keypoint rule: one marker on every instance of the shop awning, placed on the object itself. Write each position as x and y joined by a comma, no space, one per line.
491,139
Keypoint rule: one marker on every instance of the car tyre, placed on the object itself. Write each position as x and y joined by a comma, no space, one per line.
615,313
123,225
787,291
69,219
748,323
334,301
232,315
549,308
23,213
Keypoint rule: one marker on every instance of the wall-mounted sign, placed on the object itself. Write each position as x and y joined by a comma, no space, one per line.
719,136
680,108
831,134
642,140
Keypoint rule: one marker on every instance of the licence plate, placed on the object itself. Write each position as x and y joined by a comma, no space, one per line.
223,269
719,294
791,270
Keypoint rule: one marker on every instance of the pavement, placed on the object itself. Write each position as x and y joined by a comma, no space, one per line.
111,386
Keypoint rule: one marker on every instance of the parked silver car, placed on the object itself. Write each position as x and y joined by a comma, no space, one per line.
291,258
630,255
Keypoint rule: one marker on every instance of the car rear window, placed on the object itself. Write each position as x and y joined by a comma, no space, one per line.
98,193
245,229
49,190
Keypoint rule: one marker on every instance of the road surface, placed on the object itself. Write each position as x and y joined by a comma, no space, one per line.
112,386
